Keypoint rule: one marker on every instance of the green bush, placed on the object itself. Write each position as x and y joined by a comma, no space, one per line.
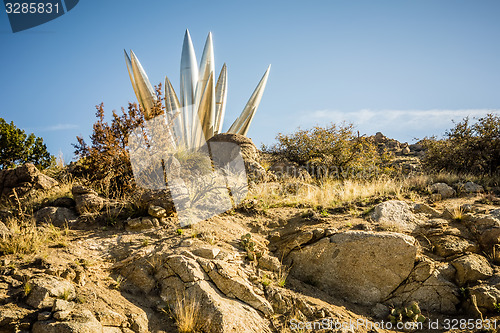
16,147
468,148
335,150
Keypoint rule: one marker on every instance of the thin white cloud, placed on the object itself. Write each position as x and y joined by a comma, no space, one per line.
59,127
401,124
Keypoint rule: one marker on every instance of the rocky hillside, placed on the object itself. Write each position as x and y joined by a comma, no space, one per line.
382,256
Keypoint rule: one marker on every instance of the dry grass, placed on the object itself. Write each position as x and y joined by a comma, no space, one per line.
41,197
24,207
328,193
56,236
26,238
457,213
186,315
282,275
422,181
331,193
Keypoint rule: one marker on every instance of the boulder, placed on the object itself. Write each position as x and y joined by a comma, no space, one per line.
472,267
82,321
416,147
186,268
246,146
231,281
62,305
483,222
23,179
184,283
58,216
87,200
471,187
487,297
207,252
140,275
219,314
44,291
289,242
158,198
237,144
269,263
11,316
379,138
489,238
108,317
450,245
142,223
395,214
255,171
218,292
157,211
363,267
443,189
429,285
426,209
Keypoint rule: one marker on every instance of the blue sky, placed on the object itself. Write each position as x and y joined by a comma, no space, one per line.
406,68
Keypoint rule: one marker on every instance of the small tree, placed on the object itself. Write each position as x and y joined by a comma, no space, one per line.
335,148
469,147
106,161
16,147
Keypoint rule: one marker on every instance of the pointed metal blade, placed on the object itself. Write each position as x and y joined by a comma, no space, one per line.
146,91
205,115
220,99
189,79
174,112
206,67
242,123
207,70
131,75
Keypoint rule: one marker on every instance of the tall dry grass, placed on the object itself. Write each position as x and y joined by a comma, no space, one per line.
186,314
328,193
334,192
26,238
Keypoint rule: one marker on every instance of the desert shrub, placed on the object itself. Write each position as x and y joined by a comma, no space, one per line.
468,148
105,163
335,150
106,160
16,147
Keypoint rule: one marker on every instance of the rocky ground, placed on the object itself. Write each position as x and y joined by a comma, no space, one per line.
425,259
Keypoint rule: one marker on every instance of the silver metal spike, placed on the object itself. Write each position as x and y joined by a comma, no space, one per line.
174,113
199,113
204,114
131,75
207,70
189,80
220,99
242,123
146,91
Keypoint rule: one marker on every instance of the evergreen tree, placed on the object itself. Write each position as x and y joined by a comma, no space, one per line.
16,147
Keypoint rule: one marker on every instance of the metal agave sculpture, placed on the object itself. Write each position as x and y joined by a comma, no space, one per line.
199,113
